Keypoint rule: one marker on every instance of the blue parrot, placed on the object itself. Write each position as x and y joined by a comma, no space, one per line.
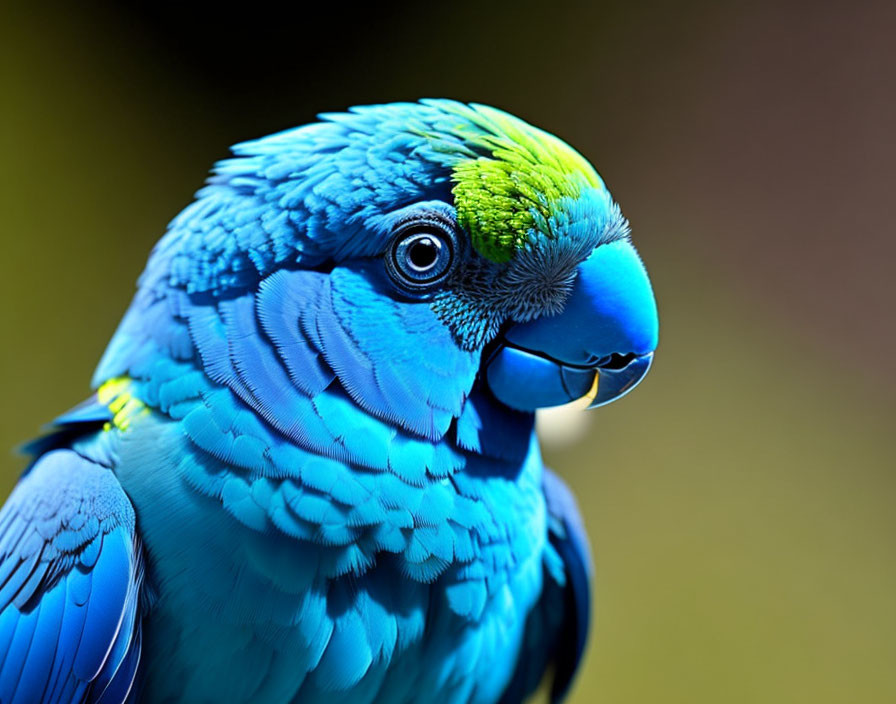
309,472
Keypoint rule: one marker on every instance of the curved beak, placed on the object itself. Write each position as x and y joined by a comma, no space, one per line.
599,347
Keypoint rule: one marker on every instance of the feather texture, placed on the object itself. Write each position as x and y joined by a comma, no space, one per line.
71,571
332,503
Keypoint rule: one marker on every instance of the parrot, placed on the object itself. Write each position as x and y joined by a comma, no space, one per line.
308,470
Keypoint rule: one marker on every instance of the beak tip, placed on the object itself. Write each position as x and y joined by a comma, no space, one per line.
613,384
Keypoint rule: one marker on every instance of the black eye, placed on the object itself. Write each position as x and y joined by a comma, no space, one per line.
421,257
423,253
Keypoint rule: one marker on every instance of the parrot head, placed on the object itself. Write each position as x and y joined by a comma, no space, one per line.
415,255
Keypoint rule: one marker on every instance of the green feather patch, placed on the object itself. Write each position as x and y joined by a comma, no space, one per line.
519,175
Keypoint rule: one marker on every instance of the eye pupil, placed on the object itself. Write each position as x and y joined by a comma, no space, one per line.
424,253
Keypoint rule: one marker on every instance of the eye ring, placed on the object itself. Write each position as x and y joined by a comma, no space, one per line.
421,255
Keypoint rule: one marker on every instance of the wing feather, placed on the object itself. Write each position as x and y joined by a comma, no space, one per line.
557,627
70,578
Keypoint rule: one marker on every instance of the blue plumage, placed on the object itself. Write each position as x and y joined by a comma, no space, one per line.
296,432
71,570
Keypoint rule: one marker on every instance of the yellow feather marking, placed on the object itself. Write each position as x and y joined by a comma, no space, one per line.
116,395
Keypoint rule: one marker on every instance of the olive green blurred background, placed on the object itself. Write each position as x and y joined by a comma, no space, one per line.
741,502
